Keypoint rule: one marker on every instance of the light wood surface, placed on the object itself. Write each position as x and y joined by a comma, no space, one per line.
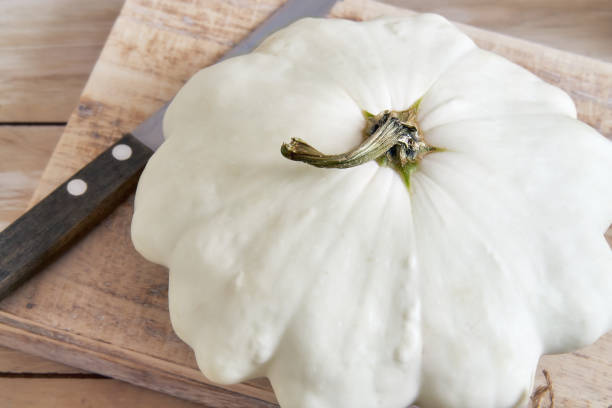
24,151
17,362
47,49
593,380
582,27
83,393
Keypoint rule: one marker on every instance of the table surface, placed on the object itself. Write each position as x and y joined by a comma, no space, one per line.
45,59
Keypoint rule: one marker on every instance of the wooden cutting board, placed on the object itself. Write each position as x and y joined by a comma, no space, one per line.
103,308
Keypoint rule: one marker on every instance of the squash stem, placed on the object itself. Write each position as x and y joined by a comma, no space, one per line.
391,138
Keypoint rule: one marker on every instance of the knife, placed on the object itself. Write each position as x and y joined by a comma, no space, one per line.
67,213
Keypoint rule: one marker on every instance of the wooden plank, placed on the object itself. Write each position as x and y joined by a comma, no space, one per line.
103,308
85,392
580,27
23,156
13,361
582,378
162,374
47,49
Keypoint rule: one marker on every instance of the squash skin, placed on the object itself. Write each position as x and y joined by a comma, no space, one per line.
343,286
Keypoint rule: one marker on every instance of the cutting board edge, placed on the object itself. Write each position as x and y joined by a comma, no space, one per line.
123,364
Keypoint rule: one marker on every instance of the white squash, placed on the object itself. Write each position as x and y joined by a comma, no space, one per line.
365,287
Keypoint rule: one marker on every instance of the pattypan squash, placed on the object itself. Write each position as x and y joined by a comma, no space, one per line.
379,213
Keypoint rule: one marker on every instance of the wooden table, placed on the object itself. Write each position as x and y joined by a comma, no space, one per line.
47,49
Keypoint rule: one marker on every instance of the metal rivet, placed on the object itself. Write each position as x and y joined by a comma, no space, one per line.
122,152
76,187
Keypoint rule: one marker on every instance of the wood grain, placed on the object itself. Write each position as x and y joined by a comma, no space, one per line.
582,379
580,27
83,393
24,153
101,307
47,49
13,361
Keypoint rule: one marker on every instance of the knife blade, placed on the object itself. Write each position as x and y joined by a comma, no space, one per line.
69,211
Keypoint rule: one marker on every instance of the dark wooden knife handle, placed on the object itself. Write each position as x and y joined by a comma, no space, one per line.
72,208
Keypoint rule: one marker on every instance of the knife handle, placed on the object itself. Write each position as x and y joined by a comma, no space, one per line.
44,231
